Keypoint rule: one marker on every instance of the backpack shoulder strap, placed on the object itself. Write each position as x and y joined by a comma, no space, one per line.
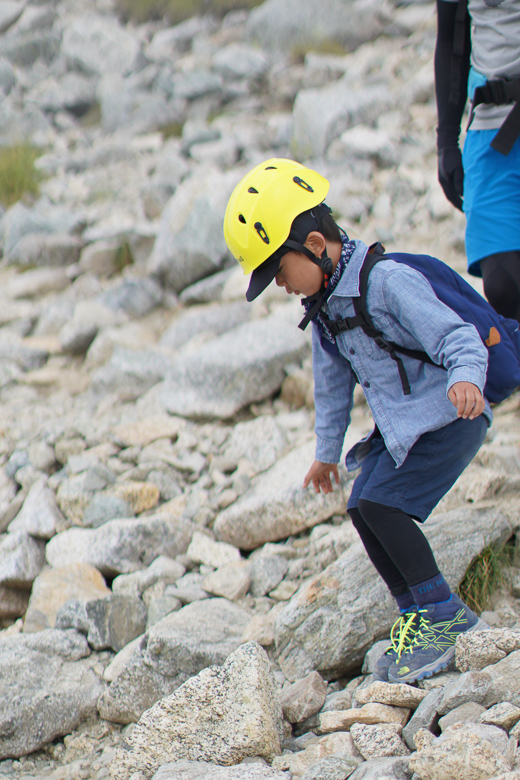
363,319
376,252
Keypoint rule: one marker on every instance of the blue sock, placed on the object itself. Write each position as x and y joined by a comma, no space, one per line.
404,601
430,591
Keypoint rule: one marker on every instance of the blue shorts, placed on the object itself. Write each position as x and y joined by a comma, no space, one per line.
433,465
491,198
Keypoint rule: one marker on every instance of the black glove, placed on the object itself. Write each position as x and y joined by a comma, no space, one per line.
451,174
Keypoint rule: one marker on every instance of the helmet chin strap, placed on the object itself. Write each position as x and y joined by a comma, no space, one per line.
325,264
317,301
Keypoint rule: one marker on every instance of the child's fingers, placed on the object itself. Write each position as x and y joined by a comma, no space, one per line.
319,475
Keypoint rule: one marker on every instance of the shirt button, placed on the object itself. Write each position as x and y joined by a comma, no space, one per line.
352,351
366,383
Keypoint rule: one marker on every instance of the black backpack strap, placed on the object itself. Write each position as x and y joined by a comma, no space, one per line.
363,320
500,92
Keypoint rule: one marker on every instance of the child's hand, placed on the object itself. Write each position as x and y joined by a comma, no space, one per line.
319,474
468,400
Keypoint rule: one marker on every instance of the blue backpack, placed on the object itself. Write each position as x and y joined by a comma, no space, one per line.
500,335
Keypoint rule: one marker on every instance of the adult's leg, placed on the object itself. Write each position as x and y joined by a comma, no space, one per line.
501,277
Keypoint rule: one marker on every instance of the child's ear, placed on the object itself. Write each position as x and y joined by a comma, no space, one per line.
315,241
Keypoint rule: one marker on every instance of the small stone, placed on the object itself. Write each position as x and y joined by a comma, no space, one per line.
231,582
504,714
471,712
140,496
370,713
260,629
303,698
397,694
379,741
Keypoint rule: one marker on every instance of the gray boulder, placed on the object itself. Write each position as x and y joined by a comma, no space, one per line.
495,683
44,249
239,61
73,92
121,546
260,441
47,689
7,77
39,516
125,107
321,115
98,44
206,321
135,297
20,220
133,686
21,559
467,751
311,23
331,622
10,12
244,365
110,622
199,635
24,48
276,505
205,770
223,715
130,373
190,244
173,650
383,769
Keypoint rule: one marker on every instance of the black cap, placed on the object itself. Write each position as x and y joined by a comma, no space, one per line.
264,274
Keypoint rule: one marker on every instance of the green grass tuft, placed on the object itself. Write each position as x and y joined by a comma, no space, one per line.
18,176
299,52
484,575
172,130
176,11
124,257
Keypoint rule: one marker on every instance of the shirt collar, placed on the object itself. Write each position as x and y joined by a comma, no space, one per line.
348,285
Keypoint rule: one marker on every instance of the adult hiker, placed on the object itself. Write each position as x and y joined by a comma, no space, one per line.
478,55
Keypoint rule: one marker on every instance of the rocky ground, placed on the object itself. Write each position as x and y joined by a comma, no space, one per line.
160,564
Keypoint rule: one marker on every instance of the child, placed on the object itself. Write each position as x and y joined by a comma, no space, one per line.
278,228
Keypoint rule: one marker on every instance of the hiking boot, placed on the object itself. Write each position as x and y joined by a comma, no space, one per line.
403,627
431,647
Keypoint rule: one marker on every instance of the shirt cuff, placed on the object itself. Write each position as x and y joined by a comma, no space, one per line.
328,451
467,374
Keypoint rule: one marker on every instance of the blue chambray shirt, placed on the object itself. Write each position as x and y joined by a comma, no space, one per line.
404,307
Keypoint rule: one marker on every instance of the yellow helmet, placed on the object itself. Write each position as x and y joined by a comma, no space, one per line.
264,204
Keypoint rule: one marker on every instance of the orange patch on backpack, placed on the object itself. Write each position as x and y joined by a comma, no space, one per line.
493,338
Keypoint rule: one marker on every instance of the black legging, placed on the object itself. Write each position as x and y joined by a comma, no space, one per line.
501,276
395,544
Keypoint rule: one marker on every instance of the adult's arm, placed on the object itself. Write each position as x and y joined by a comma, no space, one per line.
451,79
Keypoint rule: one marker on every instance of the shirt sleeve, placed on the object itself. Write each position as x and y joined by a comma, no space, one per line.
450,113
447,338
334,382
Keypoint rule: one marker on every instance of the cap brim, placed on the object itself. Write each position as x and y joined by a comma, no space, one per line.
262,277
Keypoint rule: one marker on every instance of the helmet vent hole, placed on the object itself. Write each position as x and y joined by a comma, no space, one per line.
253,191
242,219
303,184
271,168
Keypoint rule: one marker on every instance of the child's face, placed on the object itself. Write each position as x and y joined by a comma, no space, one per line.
299,275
